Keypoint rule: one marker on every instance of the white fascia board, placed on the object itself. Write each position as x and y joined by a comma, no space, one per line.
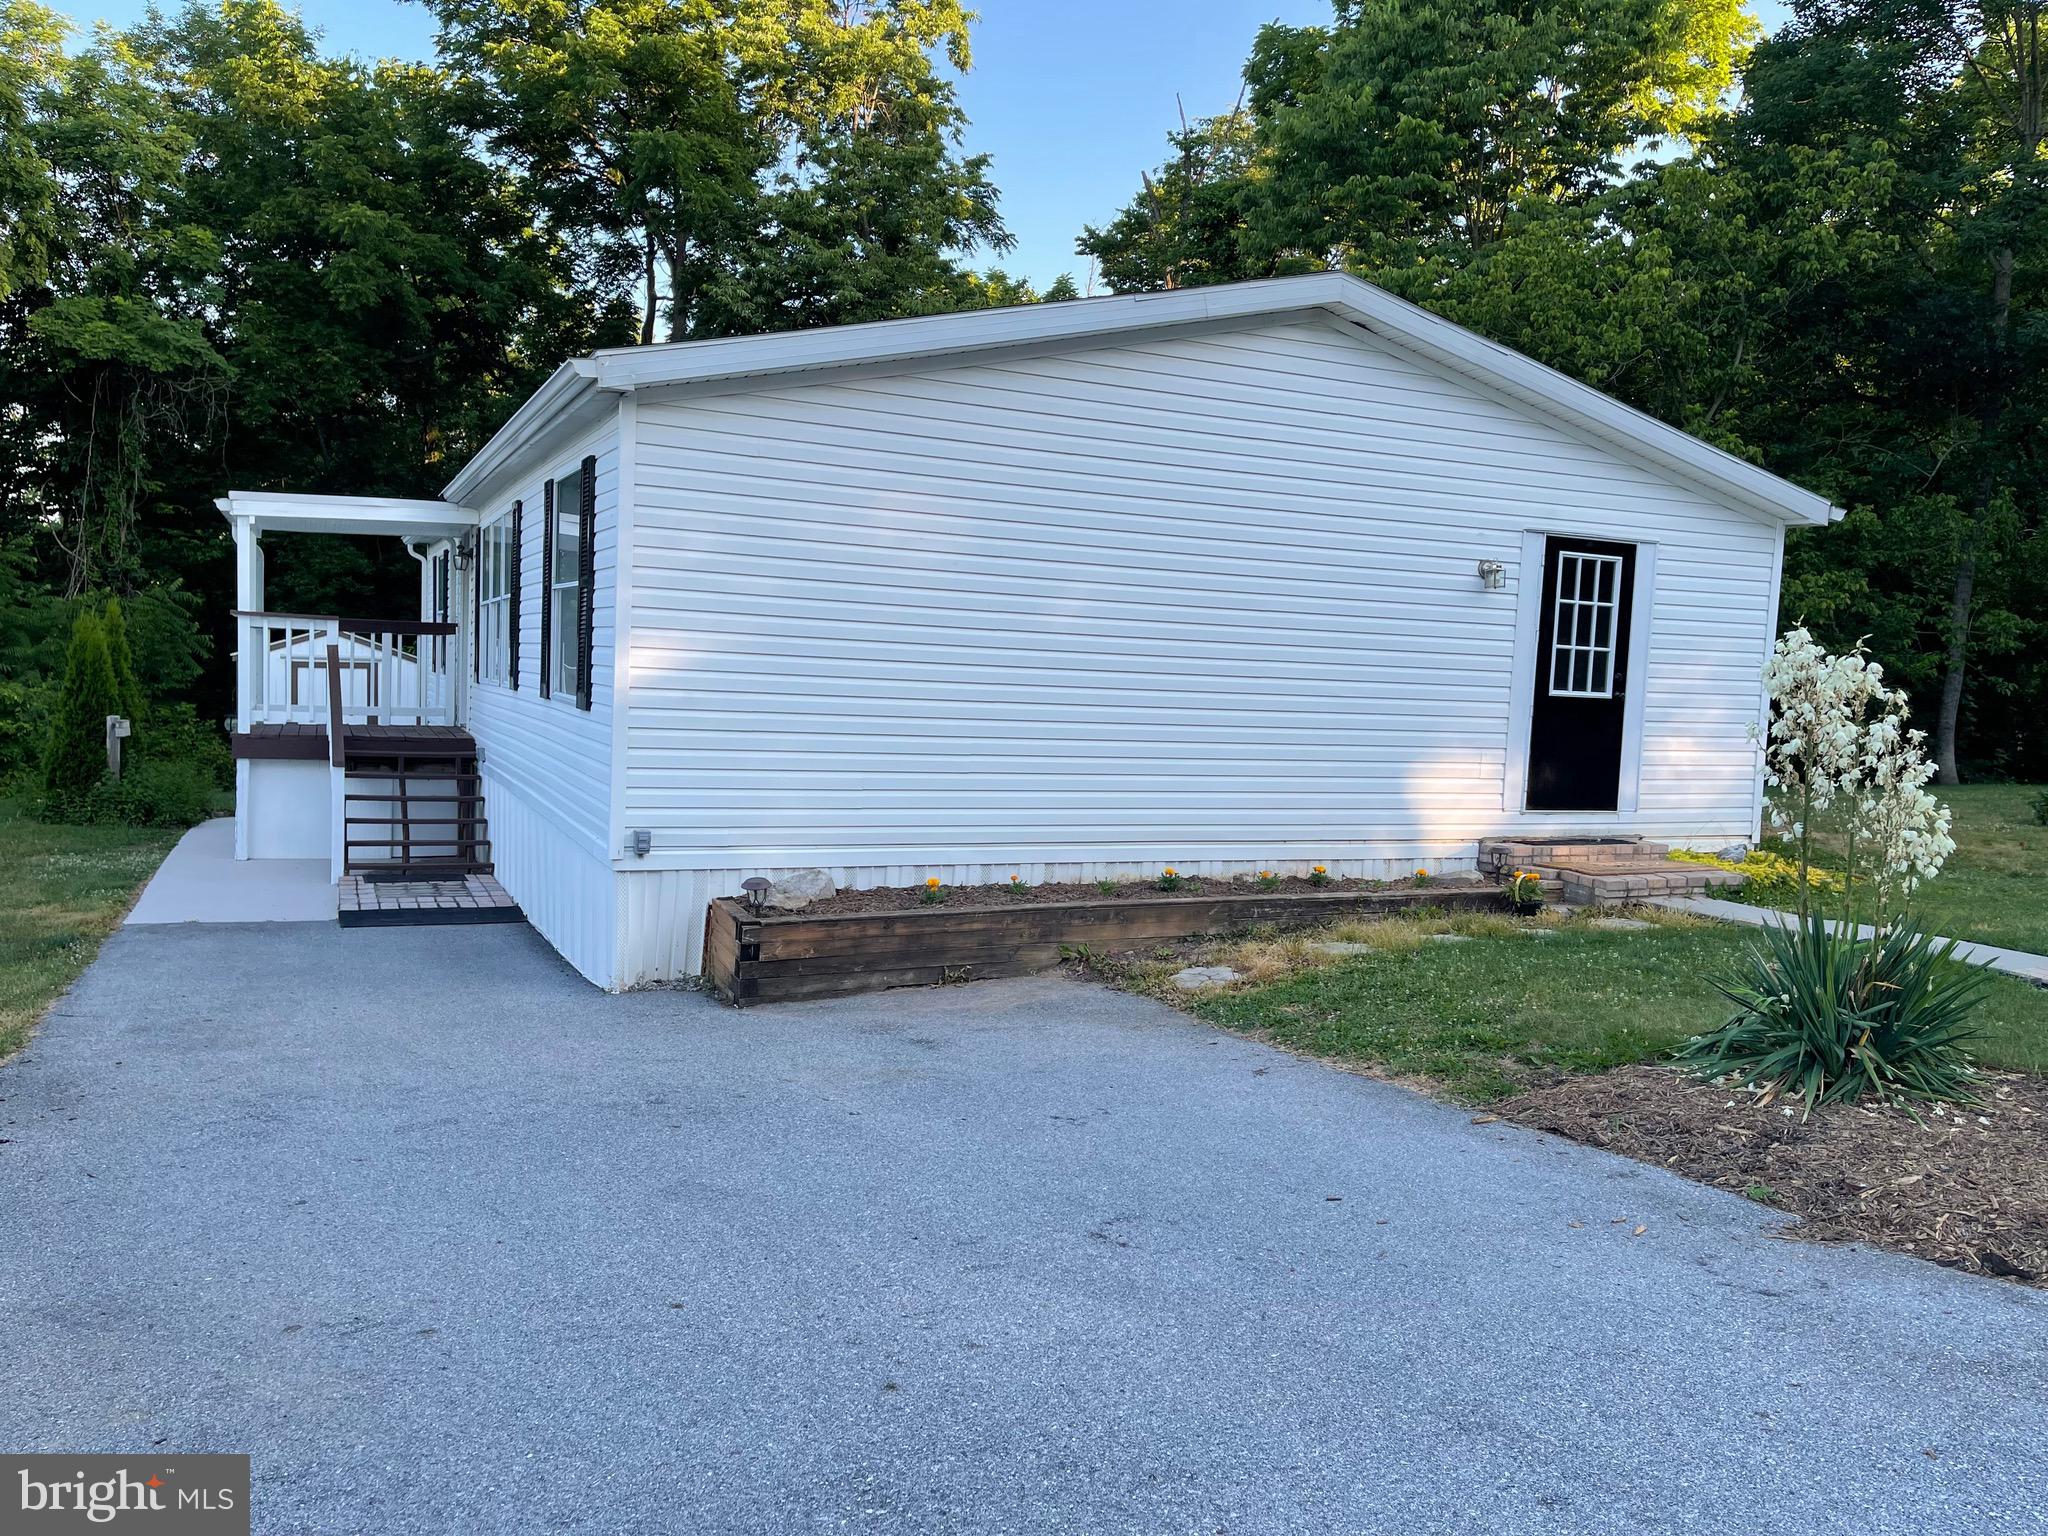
286,512
977,330
567,387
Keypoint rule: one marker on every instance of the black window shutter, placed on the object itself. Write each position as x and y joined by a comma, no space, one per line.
547,588
512,610
586,578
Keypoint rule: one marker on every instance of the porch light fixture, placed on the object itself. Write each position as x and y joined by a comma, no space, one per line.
756,887
1492,575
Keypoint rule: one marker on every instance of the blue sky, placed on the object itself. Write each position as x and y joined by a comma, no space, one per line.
1071,99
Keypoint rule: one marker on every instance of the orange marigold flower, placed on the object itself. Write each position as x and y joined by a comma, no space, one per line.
933,882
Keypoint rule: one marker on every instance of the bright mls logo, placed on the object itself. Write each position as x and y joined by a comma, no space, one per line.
163,1496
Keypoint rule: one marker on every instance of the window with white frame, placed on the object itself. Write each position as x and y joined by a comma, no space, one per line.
565,594
1582,635
494,605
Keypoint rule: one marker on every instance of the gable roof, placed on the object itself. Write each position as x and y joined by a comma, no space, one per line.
577,385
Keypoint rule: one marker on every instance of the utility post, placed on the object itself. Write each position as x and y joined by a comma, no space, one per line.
117,727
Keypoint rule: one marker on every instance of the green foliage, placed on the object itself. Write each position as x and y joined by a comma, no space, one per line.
1836,271
75,755
230,258
66,889
24,727
2039,806
151,792
1767,873
1830,1018
127,688
177,734
743,164
31,39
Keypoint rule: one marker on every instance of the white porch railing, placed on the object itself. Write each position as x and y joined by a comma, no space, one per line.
390,671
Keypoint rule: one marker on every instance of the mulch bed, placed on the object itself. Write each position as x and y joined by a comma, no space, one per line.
1967,1187
897,898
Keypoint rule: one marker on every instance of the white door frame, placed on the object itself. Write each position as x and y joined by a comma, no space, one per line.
1529,574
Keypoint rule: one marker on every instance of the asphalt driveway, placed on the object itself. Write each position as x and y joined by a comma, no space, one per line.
450,1242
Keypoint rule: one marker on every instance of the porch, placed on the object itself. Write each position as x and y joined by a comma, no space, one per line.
350,737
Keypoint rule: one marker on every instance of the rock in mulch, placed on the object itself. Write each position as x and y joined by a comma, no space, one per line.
1199,978
800,889
1966,1187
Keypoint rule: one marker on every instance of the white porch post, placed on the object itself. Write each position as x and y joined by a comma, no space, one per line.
249,599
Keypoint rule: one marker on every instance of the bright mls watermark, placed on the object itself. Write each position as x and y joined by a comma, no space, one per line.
162,1495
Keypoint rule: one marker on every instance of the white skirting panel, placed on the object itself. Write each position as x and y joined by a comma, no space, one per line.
661,911
565,890
281,809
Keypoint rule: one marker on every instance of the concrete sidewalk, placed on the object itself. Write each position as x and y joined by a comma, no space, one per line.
2012,962
202,882
450,1241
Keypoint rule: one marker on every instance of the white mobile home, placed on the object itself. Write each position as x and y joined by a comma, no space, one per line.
1264,575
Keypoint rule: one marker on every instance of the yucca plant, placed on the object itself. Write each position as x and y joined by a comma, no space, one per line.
1832,1018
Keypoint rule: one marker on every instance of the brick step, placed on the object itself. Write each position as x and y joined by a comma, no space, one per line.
1603,885
1583,852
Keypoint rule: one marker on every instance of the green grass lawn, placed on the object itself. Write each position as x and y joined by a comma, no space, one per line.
1503,1009
65,889
1994,889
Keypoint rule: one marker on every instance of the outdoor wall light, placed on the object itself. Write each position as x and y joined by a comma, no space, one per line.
1492,575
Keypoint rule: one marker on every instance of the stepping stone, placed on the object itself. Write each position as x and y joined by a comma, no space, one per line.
1450,938
1542,933
1619,924
1197,978
1339,947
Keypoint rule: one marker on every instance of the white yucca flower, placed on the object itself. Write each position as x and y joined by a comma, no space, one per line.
1837,732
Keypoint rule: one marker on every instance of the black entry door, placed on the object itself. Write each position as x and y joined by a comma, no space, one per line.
1581,676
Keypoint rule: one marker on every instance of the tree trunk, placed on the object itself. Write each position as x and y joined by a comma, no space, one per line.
1963,597
647,315
1951,711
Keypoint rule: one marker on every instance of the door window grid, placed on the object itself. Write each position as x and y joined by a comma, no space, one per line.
1582,625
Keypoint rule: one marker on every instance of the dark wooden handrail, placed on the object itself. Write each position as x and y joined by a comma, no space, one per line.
336,755
395,627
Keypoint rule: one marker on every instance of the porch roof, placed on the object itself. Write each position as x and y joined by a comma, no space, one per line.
275,511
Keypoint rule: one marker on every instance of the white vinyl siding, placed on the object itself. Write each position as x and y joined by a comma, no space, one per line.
547,762
1208,599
